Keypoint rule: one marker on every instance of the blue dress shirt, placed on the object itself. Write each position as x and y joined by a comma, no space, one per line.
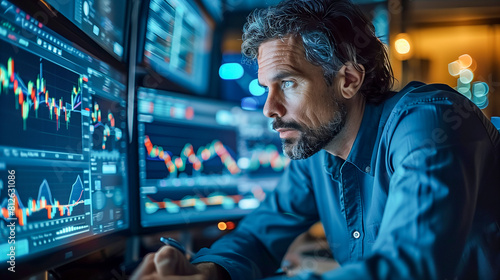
417,198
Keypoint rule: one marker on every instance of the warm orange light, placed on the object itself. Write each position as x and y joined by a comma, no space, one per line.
465,61
473,65
230,225
222,226
402,46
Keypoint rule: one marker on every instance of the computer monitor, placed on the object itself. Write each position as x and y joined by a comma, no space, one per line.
178,43
214,7
103,20
63,152
202,160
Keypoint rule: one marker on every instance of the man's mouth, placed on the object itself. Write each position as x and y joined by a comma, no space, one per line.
287,133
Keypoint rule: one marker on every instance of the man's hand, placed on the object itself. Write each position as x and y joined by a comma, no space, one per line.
169,263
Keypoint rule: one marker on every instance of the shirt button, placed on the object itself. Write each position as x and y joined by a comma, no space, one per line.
367,169
356,234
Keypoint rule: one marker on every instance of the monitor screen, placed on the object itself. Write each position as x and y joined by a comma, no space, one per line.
202,160
63,171
214,7
178,43
103,20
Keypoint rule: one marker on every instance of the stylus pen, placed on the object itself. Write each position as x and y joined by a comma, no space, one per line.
174,243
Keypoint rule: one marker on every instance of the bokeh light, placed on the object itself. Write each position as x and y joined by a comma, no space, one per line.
462,87
480,100
464,68
480,89
484,105
222,226
465,61
224,117
402,46
454,68
255,89
231,71
249,103
466,76
243,163
230,225
473,65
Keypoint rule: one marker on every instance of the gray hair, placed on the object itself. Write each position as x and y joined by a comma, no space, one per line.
333,33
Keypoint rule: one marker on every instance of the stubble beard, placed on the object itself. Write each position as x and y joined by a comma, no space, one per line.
312,141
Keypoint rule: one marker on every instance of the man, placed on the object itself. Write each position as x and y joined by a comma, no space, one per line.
406,184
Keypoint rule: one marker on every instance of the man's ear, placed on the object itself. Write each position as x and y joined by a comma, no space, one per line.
350,79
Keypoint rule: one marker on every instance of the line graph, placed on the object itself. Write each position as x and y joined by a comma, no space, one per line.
187,155
41,100
50,200
196,202
174,151
266,156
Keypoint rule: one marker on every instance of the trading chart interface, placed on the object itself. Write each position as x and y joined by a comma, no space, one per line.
178,43
202,160
62,140
103,20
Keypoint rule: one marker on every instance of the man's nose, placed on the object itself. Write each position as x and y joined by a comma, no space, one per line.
274,106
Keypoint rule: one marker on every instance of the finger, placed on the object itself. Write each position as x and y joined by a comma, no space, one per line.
168,261
146,267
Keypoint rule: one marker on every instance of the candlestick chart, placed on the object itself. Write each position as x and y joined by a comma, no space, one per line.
173,150
45,195
107,122
41,100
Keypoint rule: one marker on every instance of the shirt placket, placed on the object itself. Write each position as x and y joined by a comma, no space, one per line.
353,211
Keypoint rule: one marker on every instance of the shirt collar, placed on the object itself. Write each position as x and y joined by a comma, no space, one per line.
362,154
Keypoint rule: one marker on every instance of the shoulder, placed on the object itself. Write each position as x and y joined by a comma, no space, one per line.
436,94
435,115
418,93
438,104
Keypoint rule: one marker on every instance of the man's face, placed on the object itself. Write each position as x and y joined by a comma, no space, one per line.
307,113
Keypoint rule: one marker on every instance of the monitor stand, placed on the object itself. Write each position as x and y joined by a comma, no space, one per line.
132,255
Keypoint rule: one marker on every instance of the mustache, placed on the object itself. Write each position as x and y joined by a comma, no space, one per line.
279,123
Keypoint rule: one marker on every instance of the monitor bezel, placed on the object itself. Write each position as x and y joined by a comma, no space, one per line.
49,260
28,265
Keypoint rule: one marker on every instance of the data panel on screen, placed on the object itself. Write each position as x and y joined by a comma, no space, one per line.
202,160
103,20
63,173
178,43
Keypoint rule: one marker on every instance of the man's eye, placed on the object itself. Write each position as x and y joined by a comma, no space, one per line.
286,84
